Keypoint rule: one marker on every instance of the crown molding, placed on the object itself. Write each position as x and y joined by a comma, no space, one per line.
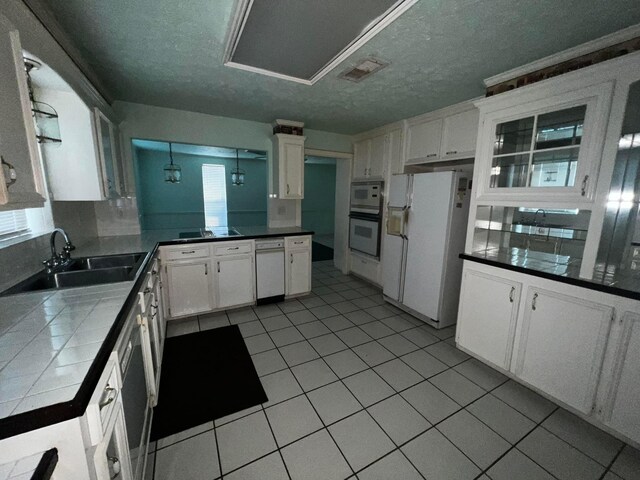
614,38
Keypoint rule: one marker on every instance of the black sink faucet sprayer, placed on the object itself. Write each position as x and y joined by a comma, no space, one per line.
59,259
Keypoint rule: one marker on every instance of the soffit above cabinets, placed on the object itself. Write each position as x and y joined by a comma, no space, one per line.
303,41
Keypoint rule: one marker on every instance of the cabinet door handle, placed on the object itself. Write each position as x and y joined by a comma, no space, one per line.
188,252
299,242
513,290
115,462
111,396
233,248
287,189
431,155
218,267
533,302
11,176
206,269
147,290
452,152
291,256
585,181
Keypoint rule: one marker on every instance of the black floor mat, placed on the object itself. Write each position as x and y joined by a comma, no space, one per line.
205,375
320,252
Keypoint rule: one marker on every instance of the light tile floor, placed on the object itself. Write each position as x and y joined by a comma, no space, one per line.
358,389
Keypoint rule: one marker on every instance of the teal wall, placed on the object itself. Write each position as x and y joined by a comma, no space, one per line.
164,205
319,204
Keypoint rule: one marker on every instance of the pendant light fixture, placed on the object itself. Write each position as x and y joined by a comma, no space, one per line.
172,172
237,174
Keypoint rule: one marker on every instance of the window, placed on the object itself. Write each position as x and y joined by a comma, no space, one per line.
214,188
13,224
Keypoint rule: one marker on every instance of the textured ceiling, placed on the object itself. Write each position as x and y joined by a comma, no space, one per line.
169,53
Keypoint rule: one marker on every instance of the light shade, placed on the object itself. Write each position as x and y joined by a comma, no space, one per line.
237,177
172,173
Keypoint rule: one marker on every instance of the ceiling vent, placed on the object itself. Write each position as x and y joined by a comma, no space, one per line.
364,69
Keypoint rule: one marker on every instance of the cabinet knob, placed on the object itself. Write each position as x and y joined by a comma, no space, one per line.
533,301
513,290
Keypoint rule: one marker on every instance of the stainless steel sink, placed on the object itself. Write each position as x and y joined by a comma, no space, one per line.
106,261
82,272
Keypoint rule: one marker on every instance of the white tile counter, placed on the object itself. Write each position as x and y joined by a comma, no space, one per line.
48,341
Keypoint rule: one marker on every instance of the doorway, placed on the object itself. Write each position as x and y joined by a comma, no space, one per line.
319,204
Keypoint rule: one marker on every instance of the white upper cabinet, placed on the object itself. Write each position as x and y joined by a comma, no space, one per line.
111,176
288,166
361,153
443,135
371,157
378,156
423,141
21,176
545,149
459,134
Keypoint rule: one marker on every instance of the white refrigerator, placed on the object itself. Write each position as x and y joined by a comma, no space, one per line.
425,232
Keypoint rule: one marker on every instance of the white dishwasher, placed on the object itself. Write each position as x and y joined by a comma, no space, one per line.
270,270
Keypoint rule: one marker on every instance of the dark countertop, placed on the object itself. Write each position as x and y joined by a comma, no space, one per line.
559,268
149,242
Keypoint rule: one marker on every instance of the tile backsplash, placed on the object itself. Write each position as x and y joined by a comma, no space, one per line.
22,260
118,216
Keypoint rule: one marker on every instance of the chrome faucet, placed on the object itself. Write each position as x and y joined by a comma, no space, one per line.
535,216
59,259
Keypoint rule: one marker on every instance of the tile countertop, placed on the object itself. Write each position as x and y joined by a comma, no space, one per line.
50,338
560,268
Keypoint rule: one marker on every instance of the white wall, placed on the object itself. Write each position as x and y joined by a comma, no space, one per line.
166,124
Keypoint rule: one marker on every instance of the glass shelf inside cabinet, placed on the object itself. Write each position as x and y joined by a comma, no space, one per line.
538,151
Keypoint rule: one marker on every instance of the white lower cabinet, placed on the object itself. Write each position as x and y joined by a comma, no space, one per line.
562,345
235,280
487,316
623,413
190,287
297,273
576,345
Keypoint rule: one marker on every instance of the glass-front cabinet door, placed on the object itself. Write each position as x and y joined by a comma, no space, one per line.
544,150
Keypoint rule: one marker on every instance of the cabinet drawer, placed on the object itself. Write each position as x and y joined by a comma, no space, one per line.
365,268
297,242
187,252
232,249
104,399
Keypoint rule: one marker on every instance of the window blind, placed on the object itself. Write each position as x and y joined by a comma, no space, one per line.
13,222
214,187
